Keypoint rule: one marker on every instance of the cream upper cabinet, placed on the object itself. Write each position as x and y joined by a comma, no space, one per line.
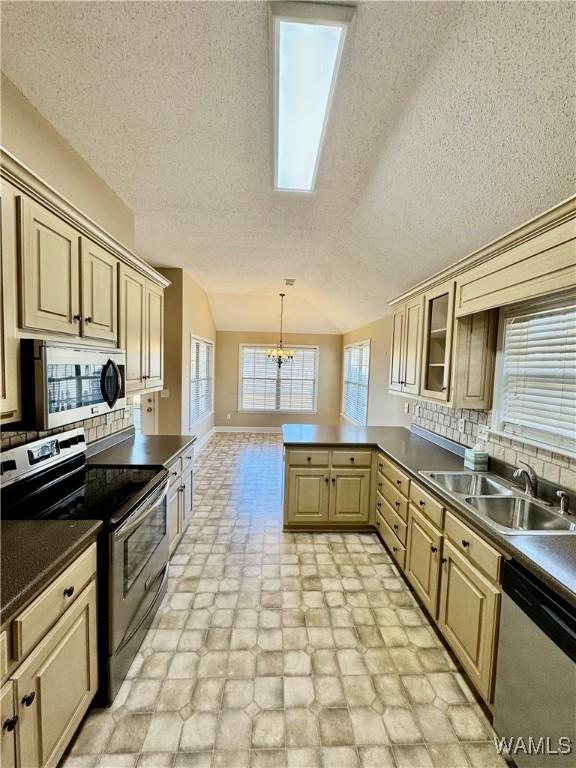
49,271
9,721
56,683
154,339
99,293
349,496
468,617
406,353
132,329
473,357
437,344
141,330
423,559
308,495
10,405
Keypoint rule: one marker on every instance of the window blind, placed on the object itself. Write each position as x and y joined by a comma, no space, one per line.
538,385
355,382
265,387
200,379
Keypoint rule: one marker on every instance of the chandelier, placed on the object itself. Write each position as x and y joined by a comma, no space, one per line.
279,354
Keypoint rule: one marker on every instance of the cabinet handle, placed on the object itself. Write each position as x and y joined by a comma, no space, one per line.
379,485
422,503
29,698
465,543
444,560
145,377
433,549
88,319
443,389
309,459
173,474
327,479
10,724
398,482
182,488
76,318
379,504
352,459
380,466
69,591
396,503
395,526
189,458
394,549
333,479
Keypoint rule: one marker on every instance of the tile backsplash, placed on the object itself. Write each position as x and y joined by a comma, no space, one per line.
445,421
94,429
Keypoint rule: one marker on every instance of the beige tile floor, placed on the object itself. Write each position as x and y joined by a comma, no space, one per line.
283,649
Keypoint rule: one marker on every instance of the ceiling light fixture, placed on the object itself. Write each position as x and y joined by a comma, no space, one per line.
308,39
278,353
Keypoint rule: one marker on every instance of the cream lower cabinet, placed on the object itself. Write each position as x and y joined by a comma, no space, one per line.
9,721
423,554
468,617
180,497
141,330
327,487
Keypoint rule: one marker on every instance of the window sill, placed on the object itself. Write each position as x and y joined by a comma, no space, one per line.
352,422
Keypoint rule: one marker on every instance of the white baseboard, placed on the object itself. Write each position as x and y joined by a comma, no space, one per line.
201,442
248,429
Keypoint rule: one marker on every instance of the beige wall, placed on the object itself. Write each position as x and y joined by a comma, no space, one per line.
384,409
186,314
34,141
227,362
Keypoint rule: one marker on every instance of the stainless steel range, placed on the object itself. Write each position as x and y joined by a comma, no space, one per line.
49,479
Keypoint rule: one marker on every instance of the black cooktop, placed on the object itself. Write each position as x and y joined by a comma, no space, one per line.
76,491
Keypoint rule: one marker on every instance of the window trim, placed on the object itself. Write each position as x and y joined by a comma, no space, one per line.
196,337
283,411
367,342
532,306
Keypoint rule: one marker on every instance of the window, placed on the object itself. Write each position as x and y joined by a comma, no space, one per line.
355,382
536,385
289,389
200,379
308,41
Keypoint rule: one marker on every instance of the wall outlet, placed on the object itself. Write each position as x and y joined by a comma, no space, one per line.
461,423
228,416
483,432
406,407
165,393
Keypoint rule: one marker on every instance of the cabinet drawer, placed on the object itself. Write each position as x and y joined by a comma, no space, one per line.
398,479
394,546
473,546
427,504
351,458
392,518
392,496
309,458
33,623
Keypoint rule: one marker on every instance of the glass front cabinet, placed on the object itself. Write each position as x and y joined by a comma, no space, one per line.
437,342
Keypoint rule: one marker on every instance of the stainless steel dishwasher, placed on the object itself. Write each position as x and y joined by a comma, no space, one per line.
535,694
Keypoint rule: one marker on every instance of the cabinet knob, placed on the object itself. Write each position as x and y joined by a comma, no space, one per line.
69,591
398,482
396,503
379,485
327,479
465,543
422,503
173,474
395,526
88,319
333,479
29,698
10,723
76,318
182,488
352,459
433,549
145,377
394,549
380,466
189,458
444,560
309,459
379,504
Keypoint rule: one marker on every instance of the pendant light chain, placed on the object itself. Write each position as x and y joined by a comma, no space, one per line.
279,354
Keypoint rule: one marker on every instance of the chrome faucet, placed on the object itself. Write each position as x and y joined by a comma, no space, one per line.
530,478
564,502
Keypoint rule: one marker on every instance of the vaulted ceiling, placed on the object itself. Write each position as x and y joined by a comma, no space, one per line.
452,123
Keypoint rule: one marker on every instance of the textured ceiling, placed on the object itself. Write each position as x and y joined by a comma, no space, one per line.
452,123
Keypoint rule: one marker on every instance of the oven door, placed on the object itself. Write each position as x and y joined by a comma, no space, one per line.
138,554
77,383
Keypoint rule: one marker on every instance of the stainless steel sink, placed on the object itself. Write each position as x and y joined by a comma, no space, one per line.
470,483
519,514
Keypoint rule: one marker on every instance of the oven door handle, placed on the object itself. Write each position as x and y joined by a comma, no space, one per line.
140,514
162,575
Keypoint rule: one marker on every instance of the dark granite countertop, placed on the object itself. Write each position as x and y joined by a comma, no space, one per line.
33,553
550,557
143,451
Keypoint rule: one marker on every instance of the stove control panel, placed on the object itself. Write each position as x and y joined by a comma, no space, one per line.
27,459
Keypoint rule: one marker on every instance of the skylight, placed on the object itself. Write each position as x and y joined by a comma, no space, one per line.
308,42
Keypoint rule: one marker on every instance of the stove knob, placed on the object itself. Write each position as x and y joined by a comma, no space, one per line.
64,443
7,466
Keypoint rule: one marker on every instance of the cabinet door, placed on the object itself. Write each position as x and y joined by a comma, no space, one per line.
10,406
473,360
412,346
154,336
437,347
349,496
396,360
468,617
423,559
132,325
187,485
9,722
49,270
59,678
99,293
308,492
174,513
